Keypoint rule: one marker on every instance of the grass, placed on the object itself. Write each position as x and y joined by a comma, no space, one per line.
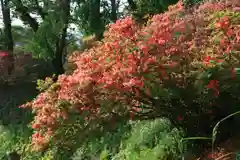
13,138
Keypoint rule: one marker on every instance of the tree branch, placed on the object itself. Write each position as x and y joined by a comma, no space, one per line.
64,5
25,16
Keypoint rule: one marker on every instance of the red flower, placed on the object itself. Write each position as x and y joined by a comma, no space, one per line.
223,23
131,115
218,25
236,9
148,91
211,156
214,85
163,73
207,59
220,60
137,93
180,118
136,109
228,50
144,49
3,54
36,126
161,42
234,73
230,32
134,82
222,42
238,36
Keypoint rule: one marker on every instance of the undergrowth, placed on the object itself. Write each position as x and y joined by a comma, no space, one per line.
138,140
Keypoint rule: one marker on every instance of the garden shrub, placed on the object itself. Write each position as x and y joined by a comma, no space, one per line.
157,139
178,66
144,139
105,144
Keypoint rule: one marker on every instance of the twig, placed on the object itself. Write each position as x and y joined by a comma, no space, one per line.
223,156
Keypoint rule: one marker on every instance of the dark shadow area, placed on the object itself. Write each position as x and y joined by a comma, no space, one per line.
11,97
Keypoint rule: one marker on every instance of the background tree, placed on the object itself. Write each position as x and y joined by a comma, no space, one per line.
90,18
140,8
49,26
7,34
114,10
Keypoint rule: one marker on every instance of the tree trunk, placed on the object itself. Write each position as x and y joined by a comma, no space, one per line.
8,40
61,43
95,18
57,61
114,10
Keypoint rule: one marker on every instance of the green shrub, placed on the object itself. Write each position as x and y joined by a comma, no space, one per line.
154,139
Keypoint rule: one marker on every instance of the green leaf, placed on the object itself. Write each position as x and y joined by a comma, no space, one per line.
108,59
177,34
212,61
237,71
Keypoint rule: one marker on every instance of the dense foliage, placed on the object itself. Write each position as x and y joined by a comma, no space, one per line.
137,140
152,7
179,66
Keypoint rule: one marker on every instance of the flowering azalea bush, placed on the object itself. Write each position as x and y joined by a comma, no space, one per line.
179,65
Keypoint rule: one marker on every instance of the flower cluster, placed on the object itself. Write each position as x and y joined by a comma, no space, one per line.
3,54
134,70
46,118
123,27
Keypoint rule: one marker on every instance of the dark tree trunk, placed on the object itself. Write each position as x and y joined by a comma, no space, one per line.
95,18
114,10
64,7
57,61
61,43
8,33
